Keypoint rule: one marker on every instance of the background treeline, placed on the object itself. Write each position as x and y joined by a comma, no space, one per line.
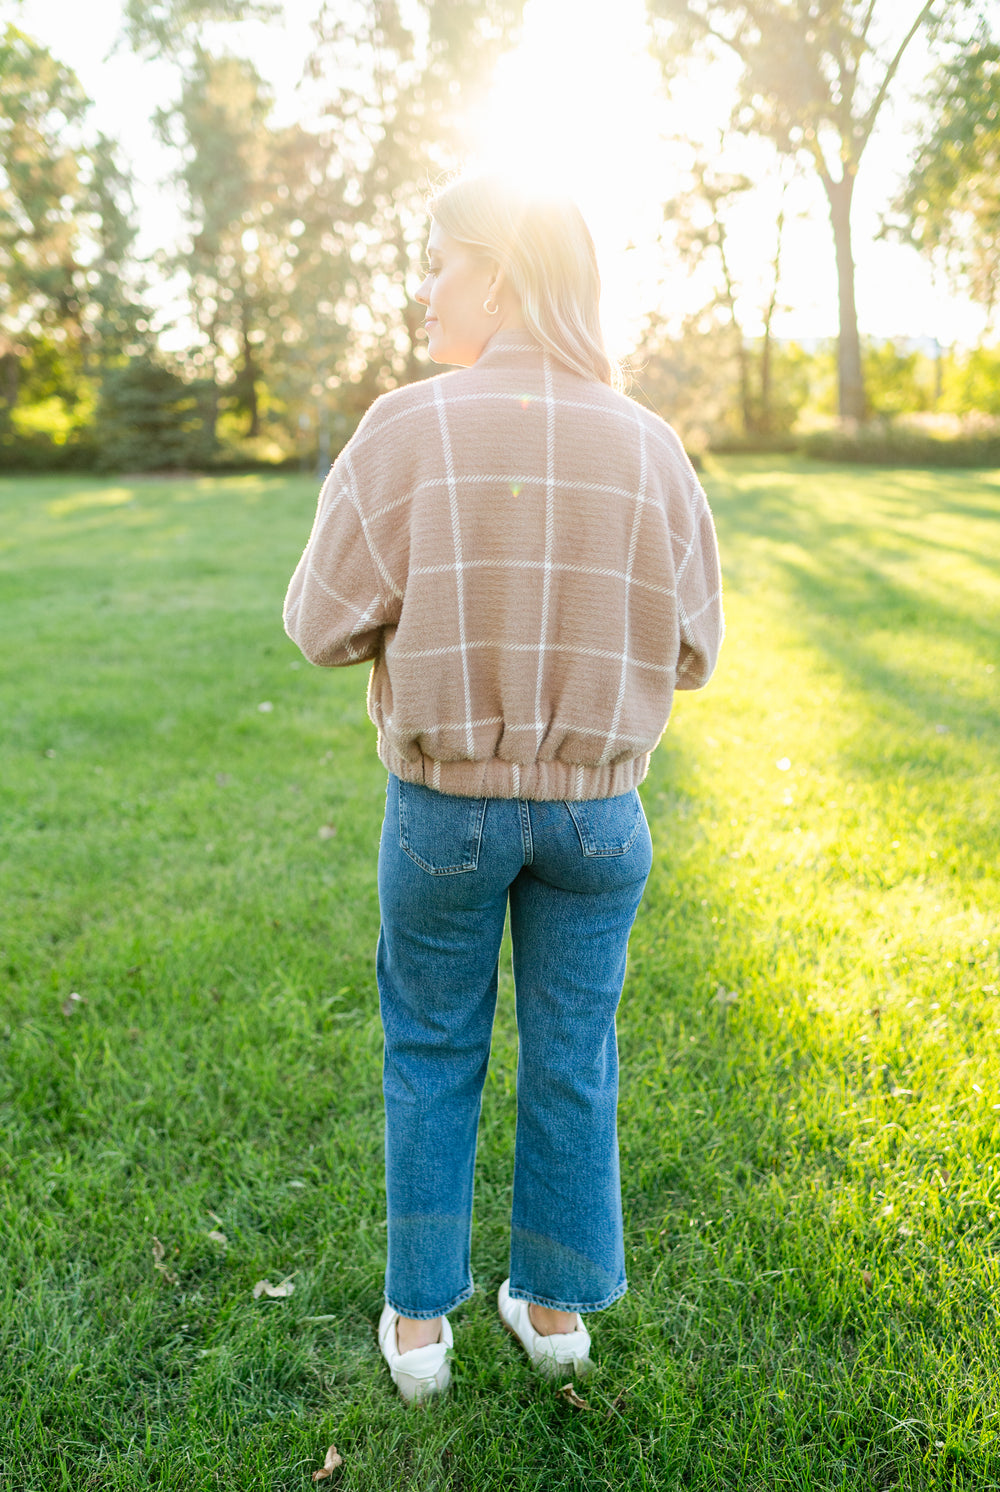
263,333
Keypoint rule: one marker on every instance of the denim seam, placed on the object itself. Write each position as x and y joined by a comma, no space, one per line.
456,1300
527,843
569,1305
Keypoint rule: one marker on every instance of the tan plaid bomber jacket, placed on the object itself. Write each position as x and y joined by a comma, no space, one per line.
530,562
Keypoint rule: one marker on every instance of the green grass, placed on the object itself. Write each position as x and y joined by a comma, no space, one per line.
810,1116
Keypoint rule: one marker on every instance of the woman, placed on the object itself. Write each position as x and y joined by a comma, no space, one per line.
527,557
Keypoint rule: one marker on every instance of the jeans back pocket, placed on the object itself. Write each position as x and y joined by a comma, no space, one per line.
440,832
607,826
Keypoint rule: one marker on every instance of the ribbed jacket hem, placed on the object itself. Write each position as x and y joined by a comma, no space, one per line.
539,781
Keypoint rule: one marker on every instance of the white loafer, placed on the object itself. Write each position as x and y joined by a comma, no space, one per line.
423,1371
565,1352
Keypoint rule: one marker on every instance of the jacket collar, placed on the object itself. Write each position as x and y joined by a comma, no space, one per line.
508,346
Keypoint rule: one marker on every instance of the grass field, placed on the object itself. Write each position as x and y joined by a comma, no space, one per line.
189,1038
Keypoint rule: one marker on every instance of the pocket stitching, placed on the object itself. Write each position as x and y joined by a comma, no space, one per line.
472,860
588,844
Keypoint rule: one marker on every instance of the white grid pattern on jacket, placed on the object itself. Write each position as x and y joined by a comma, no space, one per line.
430,557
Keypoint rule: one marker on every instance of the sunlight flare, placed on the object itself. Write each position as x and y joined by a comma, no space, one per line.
576,109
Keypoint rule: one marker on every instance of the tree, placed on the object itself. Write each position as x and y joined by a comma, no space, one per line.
117,316
69,299
219,127
302,240
402,89
42,195
950,205
261,262
815,76
149,417
701,219
170,28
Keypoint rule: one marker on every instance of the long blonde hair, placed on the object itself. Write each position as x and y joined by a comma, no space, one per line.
545,249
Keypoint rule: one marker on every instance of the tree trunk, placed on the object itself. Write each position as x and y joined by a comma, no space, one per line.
249,379
850,378
764,415
746,397
764,420
10,377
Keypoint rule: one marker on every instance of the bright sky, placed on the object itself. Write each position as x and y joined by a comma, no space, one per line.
579,104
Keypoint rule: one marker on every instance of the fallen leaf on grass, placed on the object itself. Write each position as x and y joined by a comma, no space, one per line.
725,996
218,1237
569,1396
333,1460
159,1254
71,1002
866,1278
274,1292
326,831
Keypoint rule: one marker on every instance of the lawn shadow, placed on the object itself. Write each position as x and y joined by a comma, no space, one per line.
773,1164
900,592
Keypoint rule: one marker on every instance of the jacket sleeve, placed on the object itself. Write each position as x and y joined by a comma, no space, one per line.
336,606
699,600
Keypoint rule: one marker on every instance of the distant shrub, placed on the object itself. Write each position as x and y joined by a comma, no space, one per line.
971,381
754,445
914,440
33,450
897,381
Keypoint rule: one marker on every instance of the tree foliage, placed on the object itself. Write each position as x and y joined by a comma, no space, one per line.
401,90
260,201
69,297
702,223
950,206
815,75
302,240
149,417
42,196
158,28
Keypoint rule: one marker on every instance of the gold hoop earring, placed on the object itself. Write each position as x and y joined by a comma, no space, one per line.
490,310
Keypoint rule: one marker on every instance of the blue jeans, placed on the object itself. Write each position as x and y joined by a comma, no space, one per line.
574,875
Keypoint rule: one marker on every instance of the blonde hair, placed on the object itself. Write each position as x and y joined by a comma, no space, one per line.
544,248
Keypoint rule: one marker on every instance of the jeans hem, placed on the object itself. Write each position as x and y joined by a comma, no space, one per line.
456,1300
569,1305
